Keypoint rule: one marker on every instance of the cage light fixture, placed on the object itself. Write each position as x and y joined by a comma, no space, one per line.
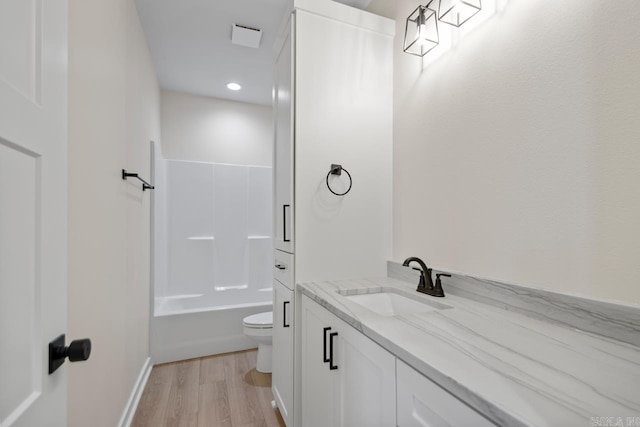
457,12
421,31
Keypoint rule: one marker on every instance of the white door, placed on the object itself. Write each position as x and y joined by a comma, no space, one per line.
33,213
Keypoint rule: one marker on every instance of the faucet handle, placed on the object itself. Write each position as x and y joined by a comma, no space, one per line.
421,284
438,284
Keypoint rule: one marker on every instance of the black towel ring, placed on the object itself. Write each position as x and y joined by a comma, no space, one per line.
337,170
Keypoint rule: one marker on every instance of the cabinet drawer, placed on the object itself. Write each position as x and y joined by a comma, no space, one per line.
422,403
283,268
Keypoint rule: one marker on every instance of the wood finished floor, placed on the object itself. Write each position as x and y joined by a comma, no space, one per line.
222,390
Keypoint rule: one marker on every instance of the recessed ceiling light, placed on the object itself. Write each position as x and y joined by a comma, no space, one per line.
233,86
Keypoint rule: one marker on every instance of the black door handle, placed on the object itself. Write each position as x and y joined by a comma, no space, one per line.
284,314
284,223
332,367
280,267
324,344
77,351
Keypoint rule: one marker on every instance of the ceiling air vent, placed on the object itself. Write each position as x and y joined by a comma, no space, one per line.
246,36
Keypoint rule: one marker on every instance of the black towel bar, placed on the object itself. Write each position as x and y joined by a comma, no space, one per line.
145,184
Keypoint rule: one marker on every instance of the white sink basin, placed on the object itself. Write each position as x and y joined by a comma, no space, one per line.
389,303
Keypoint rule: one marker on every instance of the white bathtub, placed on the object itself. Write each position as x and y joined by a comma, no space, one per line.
183,327
225,299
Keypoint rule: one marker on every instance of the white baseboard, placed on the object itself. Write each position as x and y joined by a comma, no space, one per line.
136,393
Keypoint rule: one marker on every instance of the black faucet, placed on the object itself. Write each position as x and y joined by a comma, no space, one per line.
426,285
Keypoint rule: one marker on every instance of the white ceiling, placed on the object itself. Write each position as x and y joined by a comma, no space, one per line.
190,43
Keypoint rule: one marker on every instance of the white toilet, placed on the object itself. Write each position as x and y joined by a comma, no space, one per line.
258,327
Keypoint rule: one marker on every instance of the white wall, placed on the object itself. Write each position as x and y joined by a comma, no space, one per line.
113,114
516,151
215,130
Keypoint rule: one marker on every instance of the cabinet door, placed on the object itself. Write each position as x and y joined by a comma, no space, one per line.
422,403
282,373
283,147
317,379
366,388
359,390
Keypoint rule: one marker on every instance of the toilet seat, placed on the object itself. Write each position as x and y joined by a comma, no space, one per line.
259,321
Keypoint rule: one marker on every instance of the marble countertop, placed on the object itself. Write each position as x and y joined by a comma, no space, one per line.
514,369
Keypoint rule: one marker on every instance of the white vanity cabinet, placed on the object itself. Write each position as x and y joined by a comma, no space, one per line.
347,379
333,104
282,379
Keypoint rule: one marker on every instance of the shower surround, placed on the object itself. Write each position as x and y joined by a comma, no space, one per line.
212,255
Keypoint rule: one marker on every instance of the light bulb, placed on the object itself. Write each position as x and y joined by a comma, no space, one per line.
422,28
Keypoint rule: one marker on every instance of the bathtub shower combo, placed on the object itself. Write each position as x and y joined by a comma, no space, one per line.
212,250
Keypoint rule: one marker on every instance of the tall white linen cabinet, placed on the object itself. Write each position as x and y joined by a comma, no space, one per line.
333,104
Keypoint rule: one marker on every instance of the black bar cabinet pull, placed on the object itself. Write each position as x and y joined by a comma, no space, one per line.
284,314
280,267
284,223
324,344
332,367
